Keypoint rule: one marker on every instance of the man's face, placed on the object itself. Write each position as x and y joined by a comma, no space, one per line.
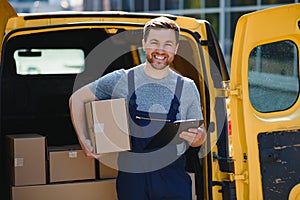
160,47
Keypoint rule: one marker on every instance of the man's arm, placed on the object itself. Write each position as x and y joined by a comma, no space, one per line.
77,110
194,136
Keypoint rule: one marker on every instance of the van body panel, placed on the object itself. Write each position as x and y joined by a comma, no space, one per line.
7,12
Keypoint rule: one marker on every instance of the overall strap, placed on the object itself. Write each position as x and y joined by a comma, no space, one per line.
131,86
179,86
131,93
174,109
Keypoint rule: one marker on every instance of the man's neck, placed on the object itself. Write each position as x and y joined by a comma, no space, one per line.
156,73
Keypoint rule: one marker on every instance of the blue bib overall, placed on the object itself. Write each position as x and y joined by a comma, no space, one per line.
141,176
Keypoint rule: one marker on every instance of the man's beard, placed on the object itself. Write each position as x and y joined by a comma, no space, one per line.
159,65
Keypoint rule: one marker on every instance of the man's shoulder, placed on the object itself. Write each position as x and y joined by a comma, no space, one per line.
184,78
114,75
119,72
136,69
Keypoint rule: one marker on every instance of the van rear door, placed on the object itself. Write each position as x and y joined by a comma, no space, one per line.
7,11
265,104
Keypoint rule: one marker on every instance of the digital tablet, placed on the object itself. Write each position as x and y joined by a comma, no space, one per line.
170,133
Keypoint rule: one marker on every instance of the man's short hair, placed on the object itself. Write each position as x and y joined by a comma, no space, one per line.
161,23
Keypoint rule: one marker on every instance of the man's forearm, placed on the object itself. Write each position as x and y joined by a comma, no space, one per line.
78,119
77,110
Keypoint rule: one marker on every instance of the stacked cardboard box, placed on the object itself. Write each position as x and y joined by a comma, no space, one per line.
91,190
108,166
27,159
71,175
69,163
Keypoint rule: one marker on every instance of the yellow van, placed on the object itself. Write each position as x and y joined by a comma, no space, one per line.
252,118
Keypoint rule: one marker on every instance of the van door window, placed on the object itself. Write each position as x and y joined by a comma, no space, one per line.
273,76
49,61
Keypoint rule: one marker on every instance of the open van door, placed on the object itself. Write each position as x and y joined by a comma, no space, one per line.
7,11
265,104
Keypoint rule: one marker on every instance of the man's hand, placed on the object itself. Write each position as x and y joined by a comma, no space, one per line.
194,136
88,149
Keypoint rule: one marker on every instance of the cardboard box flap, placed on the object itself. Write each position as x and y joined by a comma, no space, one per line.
64,148
89,122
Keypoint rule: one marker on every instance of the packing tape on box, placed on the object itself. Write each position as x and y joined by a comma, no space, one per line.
98,128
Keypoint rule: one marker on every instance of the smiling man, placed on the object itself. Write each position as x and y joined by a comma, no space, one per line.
156,95
160,46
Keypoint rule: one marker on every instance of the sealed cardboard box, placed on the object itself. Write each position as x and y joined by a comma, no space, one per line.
27,159
108,166
69,163
107,171
91,190
108,125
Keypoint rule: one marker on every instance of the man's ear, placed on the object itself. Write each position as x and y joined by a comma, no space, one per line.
144,44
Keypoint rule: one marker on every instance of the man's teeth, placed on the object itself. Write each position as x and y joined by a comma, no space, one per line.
160,57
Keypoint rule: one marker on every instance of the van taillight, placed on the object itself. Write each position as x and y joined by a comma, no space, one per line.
229,127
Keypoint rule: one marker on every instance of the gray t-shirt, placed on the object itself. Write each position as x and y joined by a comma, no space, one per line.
153,95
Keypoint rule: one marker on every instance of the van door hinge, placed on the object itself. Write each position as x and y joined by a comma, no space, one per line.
226,91
238,177
237,91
